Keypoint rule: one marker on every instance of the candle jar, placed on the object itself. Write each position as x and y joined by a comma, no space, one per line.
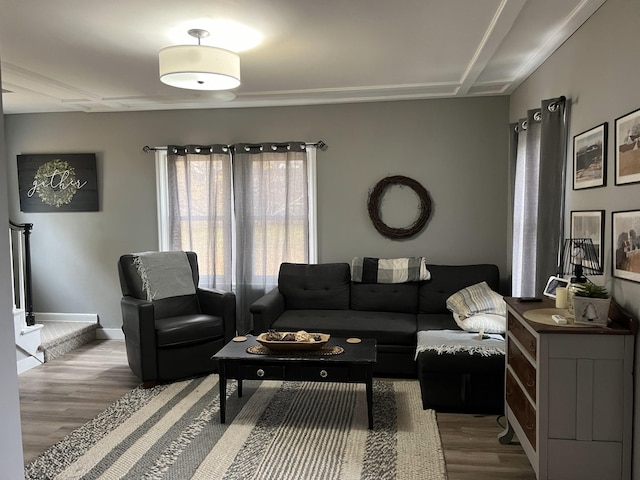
561,297
571,292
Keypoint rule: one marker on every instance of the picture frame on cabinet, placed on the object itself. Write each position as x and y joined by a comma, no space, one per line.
625,241
589,224
627,148
590,158
553,284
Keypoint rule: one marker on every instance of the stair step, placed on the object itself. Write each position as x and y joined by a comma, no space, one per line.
60,337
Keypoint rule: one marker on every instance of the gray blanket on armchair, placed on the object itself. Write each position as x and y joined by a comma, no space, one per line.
165,274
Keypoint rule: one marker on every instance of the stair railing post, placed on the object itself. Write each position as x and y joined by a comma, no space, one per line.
31,318
24,255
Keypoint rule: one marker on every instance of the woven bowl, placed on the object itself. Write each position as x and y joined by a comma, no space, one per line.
279,345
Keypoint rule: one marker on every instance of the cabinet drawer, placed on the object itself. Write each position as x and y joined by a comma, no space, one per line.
327,374
261,372
525,372
523,335
522,409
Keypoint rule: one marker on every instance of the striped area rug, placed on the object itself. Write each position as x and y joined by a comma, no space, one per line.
277,430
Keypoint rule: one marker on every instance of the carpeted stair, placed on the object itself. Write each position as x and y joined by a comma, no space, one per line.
60,337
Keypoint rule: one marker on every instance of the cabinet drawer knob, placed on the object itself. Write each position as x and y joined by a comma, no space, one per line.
260,373
324,374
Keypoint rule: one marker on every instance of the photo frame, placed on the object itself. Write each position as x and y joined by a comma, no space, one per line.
590,158
625,241
589,224
60,182
627,148
554,283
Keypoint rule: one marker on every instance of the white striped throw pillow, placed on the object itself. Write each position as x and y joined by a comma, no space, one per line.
478,298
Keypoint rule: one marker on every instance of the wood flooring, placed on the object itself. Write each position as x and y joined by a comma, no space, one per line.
61,395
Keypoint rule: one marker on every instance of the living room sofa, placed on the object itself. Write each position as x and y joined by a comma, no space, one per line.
322,298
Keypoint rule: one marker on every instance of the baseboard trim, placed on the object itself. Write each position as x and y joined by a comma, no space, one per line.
67,317
109,334
27,364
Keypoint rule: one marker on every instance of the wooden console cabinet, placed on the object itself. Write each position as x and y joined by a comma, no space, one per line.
569,393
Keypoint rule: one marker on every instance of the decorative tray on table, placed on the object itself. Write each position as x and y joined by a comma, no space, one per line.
287,341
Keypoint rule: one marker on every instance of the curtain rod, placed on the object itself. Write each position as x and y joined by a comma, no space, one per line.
319,144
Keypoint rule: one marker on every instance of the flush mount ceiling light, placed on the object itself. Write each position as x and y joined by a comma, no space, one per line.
199,67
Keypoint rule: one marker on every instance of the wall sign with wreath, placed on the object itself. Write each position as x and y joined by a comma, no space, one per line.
58,182
375,199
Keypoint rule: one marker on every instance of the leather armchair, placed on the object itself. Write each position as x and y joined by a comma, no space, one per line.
173,338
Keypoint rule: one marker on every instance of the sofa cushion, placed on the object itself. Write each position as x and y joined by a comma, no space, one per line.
309,286
378,297
448,279
487,322
188,329
436,321
172,306
478,298
387,328
389,270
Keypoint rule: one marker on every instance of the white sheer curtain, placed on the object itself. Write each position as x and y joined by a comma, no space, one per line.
272,215
200,208
538,149
243,209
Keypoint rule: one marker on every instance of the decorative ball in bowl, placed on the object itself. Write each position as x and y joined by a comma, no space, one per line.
287,341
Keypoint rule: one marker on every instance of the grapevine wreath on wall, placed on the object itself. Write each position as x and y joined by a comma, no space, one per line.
375,197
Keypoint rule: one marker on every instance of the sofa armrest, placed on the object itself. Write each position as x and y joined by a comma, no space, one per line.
266,310
138,326
222,304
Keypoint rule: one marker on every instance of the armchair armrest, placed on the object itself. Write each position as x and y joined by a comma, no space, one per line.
138,326
222,304
266,310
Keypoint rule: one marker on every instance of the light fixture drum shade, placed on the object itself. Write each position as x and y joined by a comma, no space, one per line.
199,67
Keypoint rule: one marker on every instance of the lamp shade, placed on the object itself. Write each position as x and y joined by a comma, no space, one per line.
579,257
199,67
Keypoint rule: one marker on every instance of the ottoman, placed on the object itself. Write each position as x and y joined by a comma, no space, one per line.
460,373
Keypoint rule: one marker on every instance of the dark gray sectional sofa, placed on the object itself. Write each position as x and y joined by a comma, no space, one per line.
322,298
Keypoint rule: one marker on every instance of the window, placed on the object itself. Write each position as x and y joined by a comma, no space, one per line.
242,213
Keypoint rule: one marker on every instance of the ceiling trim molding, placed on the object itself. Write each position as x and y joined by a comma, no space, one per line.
494,58
572,22
498,29
35,79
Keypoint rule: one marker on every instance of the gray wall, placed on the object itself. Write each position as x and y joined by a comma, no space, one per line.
456,148
11,459
598,70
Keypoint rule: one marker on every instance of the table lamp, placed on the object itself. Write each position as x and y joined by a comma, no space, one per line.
578,258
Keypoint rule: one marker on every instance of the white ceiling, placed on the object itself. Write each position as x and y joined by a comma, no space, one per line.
102,56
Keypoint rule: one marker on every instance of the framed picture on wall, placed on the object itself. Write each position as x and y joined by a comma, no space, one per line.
627,148
589,224
64,182
590,158
625,230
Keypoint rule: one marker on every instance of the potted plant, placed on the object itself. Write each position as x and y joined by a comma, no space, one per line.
591,304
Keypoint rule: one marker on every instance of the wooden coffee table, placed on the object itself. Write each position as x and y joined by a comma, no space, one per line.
354,365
